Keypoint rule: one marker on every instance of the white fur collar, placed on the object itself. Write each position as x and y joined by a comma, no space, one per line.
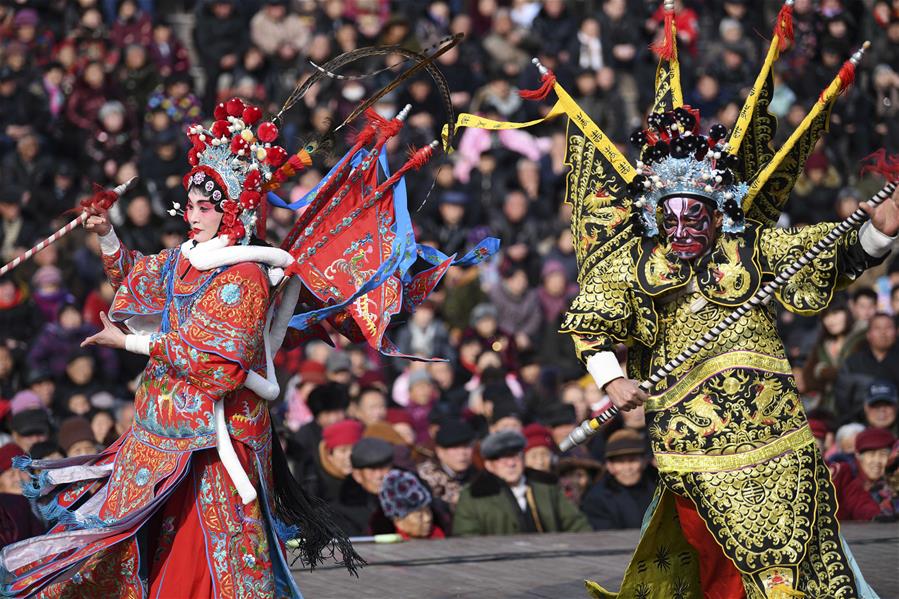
216,252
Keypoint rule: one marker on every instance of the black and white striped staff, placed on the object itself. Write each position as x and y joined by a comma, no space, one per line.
589,427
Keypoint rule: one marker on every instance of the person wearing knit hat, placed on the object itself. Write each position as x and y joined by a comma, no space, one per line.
452,467
337,443
76,437
622,495
539,449
406,502
866,494
25,400
11,478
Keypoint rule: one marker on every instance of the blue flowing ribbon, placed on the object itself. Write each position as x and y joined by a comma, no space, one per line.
276,200
486,248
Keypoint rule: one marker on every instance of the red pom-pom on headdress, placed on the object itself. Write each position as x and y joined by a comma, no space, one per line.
267,132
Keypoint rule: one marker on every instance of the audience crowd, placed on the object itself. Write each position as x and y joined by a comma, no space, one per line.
95,92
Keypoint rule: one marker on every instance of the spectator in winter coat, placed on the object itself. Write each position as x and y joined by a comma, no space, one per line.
863,492
20,318
221,39
452,467
621,497
278,33
507,499
166,51
517,307
358,500
878,359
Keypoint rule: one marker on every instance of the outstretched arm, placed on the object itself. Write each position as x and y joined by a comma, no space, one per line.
118,260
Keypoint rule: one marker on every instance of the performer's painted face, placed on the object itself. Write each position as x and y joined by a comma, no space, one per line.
689,224
203,218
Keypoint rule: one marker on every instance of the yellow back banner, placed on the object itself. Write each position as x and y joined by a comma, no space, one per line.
565,105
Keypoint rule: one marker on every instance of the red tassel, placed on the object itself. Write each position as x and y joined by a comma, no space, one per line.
665,49
390,128
368,132
783,29
881,164
420,157
549,80
846,75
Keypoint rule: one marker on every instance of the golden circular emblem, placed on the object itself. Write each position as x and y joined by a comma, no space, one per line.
753,492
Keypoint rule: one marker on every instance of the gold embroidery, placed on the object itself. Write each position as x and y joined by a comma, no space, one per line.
676,462
715,365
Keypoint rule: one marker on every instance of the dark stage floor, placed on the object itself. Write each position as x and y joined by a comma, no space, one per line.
538,566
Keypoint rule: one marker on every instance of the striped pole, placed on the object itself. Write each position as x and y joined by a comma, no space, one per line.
119,191
589,427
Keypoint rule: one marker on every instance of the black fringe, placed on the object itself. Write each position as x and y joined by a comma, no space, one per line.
320,538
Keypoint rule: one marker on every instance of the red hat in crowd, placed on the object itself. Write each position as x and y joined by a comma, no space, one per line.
537,435
313,372
7,453
818,427
345,432
874,438
398,416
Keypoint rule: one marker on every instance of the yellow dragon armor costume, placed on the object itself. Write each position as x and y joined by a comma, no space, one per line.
727,426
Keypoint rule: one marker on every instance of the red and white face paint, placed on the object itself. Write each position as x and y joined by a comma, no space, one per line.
201,215
689,225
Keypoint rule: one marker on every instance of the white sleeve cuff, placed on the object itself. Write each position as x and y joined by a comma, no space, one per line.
604,368
874,242
138,344
109,243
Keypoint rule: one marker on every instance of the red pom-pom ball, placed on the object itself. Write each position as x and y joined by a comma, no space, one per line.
275,156
220,128
252,180
235,107
268,132
249,200
192,157
238,143
251,114
220,112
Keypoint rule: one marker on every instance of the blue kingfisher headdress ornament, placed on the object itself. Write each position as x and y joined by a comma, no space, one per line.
677,160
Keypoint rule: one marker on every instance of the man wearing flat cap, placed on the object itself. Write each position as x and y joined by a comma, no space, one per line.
371,460
452,467
509,499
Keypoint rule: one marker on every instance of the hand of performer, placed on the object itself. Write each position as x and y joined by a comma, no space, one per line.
625,394
885,217
97,221
110,336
